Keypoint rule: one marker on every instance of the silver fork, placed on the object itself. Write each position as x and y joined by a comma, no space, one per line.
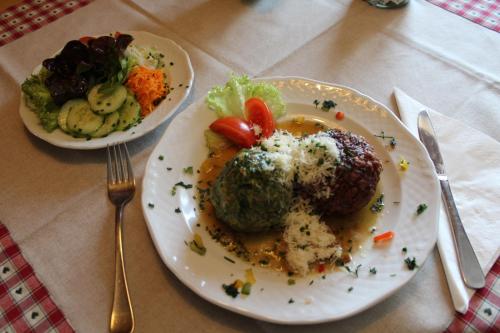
121,189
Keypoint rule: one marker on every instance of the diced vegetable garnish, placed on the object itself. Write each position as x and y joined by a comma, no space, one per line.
249,276
196,245
404,164
388,235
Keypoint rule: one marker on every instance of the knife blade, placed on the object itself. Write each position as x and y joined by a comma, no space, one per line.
470,269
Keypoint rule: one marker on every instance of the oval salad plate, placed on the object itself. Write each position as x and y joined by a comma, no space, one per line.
179,77
381,269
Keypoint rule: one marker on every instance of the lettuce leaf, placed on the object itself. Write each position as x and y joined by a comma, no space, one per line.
38,99
229,100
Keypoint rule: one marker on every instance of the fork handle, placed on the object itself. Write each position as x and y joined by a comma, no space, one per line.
122,316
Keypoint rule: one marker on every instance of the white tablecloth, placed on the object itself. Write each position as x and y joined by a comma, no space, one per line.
54,201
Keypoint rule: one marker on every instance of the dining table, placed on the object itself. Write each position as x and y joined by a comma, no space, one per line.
57,262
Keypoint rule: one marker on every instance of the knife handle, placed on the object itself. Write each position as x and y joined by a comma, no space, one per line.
470,269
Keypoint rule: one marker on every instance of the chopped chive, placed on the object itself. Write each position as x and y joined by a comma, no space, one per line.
229,259
150,205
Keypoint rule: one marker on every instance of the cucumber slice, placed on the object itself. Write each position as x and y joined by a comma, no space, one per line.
109,125
104,104
81,120
62,117
130,113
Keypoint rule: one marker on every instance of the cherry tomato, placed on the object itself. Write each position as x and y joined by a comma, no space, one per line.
236,130
257,112
388,235
339,115
86,39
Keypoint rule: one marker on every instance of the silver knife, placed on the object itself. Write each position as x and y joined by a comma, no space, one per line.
470,269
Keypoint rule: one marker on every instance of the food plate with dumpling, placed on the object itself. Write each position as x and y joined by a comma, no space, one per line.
315,221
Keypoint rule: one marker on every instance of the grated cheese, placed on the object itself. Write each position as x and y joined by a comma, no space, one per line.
316,159
308,239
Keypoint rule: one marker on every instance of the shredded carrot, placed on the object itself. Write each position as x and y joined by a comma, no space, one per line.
148,86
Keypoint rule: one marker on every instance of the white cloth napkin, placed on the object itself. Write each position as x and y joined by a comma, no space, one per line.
472,162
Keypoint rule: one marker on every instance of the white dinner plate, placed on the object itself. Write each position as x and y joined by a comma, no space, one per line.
339,294
179,74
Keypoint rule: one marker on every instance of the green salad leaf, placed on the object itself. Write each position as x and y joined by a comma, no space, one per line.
38,99
229,100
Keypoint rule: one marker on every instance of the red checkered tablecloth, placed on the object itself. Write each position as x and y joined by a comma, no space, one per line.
30,15
25,304
483,12
483,314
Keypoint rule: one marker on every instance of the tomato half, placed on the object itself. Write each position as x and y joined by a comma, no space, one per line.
236,130
257,112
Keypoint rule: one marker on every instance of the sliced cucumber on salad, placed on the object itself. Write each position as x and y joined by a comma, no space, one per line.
81,120
78,118
106,103
109,125
130,113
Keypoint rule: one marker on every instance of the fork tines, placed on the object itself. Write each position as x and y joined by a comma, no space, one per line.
119,165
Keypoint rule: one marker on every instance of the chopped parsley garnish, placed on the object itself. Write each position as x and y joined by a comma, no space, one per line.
373,270
231,290
312,281
180,184
411,263
378,205
316,103
421,208
404,250
177,210
488,311
327,105
169,169
392,275
229,259
291,282
161,157
188,170
350,289
323,277
392,141
353,272
290,301
150,205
